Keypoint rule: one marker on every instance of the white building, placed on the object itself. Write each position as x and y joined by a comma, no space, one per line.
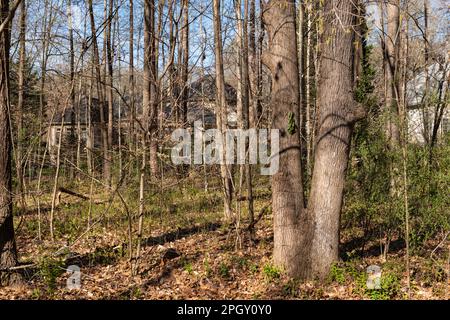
419,117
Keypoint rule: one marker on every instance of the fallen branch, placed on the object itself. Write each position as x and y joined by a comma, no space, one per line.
259,217
25,266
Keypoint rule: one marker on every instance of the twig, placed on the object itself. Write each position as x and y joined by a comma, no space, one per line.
258,218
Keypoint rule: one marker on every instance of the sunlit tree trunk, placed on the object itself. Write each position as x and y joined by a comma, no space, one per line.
338,113
221,109
109,91
291,224
100,90
391,68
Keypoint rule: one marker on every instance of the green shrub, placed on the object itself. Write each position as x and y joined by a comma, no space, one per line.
271,272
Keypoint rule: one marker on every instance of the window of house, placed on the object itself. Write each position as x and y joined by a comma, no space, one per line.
84,134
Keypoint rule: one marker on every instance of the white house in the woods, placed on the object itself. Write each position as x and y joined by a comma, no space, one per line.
84,118
74,120
420,117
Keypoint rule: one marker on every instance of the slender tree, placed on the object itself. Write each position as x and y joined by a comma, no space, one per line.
20,101
243,112
221,108
100,89
391,58
109,89
132,83
185,62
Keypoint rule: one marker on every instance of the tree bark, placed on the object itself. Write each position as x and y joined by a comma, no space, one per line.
391,69
8,252
338,113
20,103
132,84
109,92
244,95
254,85
185,65
221,108
72,137
151,60
291,223
100,91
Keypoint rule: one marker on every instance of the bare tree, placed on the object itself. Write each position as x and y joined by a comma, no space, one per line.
20,102
243,107
185,62
221,108
391,57
132,83
100,90
109,90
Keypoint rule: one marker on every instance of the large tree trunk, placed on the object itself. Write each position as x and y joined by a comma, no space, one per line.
290,219
338,112
8,253
221,109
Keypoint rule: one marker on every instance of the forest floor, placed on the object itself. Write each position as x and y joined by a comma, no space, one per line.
189,253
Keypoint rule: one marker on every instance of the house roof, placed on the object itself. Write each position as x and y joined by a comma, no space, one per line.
81,109
205,89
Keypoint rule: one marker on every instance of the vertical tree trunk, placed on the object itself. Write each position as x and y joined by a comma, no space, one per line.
391,69
132,85
244,86
100,91
72,90
116,37
109,92
8,252
425,111
146,105
153,101
253,72
290,220
308,125
221,108
338,112
46,37
185,65
20,102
